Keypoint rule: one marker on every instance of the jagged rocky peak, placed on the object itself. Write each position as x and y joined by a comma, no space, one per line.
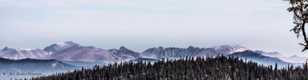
61,46
126,50
160,52
190,48
160,48
123,48
124,54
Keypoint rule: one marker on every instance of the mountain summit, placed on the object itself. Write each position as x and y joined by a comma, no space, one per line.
58,47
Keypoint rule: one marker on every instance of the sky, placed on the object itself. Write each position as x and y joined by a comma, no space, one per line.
141,24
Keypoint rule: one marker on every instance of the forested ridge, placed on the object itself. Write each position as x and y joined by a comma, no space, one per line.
219,68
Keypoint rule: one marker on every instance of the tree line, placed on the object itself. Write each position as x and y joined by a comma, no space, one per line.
219,68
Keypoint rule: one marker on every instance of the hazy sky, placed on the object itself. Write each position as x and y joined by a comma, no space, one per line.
140,24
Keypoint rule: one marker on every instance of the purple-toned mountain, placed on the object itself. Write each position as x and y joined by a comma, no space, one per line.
66,55
173,52
71,51
124,54
12,53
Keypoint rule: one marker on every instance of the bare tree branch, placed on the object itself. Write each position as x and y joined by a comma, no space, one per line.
300,13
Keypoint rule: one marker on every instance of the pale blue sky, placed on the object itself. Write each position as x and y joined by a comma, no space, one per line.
140,24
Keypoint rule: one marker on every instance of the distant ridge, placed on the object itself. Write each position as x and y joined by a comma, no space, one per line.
71,51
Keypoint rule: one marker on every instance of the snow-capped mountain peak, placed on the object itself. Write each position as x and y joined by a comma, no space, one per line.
57,47
66,43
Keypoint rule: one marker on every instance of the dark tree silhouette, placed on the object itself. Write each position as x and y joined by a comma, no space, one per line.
300,13
219,68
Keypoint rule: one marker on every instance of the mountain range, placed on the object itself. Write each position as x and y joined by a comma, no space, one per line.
71,51
69,55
